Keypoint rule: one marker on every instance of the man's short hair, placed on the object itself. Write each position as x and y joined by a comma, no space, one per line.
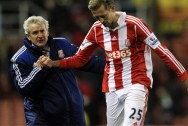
95,4
34,20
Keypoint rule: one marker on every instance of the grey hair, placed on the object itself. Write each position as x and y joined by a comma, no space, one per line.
95,4
34,20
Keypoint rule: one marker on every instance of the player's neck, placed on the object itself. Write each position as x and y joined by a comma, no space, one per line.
116,17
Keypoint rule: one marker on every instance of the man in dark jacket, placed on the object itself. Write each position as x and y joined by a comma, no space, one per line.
51,95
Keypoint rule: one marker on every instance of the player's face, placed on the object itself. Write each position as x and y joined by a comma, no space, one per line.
38,35
105,15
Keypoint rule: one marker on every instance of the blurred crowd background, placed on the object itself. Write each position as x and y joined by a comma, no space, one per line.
168,100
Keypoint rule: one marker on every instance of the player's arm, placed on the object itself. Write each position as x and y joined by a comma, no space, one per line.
95,65
83,54
145,34
173,63
163,52
166,56
76,61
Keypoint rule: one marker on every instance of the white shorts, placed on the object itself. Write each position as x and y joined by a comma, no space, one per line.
127,106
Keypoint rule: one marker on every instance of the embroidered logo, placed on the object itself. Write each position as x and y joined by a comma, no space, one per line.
61,54
114,38
127,43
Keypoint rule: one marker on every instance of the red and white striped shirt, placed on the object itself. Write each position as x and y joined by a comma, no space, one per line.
128,53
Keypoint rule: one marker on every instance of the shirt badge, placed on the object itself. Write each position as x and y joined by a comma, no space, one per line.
61,54
127,43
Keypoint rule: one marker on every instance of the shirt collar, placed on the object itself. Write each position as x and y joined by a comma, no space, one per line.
120,21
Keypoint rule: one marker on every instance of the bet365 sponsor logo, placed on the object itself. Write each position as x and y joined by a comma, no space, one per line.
118,54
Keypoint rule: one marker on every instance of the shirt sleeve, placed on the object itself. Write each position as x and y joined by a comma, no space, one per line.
83,54
95,65
145,34
163,52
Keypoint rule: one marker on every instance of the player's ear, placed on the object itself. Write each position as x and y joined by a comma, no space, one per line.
28,37
112,7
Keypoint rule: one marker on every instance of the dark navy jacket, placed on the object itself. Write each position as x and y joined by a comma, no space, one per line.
51,96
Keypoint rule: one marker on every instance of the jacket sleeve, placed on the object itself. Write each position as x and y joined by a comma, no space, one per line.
27,81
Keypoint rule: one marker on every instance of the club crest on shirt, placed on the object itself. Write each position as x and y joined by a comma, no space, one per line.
127,43
114,38
61,54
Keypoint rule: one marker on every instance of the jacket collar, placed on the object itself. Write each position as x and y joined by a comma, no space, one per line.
34,49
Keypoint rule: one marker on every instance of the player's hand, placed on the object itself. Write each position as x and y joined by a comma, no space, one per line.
44,62
47,62
39,62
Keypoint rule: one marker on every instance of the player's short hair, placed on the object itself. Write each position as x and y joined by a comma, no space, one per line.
95,4
34,20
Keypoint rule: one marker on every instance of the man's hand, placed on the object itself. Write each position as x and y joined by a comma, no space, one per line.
44,62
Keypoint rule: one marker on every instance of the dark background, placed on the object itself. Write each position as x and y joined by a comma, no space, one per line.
168,101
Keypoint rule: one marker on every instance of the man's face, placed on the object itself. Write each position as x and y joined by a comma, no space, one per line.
38,35
105,16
